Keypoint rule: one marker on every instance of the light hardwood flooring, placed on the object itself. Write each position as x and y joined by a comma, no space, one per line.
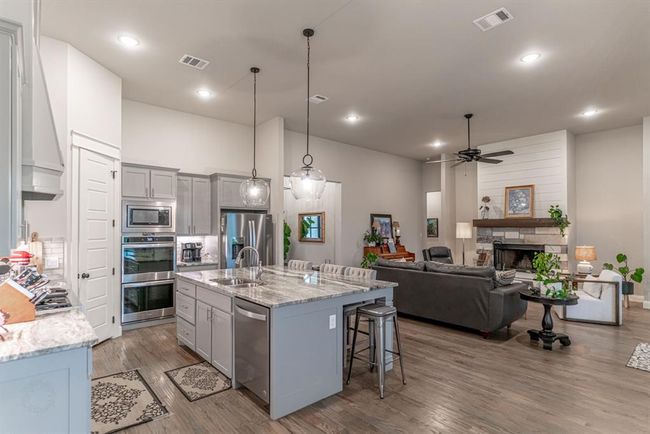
457,383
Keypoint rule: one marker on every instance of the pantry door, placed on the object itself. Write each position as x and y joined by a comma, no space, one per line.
96,273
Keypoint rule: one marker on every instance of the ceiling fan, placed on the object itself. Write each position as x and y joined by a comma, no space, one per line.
473,154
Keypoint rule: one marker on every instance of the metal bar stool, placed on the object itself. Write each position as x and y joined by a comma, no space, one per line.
377,315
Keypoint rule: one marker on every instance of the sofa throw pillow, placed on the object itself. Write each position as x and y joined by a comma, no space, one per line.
442,260
594,289
381,262
464,270
504,277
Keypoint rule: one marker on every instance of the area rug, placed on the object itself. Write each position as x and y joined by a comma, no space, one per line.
640,358
199,380
122,400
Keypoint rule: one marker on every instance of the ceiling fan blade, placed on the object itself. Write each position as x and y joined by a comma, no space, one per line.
489,160
441,161
458,164
497,154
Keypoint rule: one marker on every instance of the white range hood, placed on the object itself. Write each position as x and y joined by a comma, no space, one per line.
42,162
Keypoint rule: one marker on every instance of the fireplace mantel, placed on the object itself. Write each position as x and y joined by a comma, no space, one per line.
514,223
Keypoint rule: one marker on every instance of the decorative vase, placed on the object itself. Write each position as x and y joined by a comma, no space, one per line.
628,288
373,244
485,214
553,287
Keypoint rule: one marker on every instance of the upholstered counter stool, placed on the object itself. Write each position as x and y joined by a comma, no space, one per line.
377,315
351,309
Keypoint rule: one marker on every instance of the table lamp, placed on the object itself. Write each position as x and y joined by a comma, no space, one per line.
584,254
463,232
396,232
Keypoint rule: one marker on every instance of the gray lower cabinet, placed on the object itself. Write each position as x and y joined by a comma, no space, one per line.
208,329
193,213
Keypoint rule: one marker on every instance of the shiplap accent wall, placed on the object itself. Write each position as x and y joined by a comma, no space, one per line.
541,160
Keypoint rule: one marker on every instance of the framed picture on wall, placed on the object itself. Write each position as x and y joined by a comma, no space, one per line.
520,201
311,227
432,227
382,224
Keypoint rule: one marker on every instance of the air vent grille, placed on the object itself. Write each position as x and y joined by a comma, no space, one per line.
194,62
317,99
493,19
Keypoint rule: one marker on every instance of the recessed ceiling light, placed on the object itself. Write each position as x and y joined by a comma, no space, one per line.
128,41
352,118
590,112
531,57
204,93
437,144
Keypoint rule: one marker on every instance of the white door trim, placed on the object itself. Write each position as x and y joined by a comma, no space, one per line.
82,141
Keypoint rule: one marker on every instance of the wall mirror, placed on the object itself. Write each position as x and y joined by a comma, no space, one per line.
311,227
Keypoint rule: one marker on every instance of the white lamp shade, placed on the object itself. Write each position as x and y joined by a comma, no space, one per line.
307,183
463,230
254,192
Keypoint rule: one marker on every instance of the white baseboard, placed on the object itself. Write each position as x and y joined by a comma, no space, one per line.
646,304
637,298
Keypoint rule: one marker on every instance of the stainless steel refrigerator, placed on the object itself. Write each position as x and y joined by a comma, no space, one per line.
238,230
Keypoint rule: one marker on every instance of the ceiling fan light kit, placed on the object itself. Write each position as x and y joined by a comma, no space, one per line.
307,182
473,154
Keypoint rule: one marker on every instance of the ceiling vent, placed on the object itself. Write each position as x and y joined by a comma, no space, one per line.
194,62
317,99
493,19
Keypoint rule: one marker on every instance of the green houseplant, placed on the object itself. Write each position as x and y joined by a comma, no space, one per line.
287,240
546,267
560,219
372,238
627,273
369,260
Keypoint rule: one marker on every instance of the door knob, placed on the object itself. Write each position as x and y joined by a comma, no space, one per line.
85,275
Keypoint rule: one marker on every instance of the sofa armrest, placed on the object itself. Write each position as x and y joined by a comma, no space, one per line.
506,306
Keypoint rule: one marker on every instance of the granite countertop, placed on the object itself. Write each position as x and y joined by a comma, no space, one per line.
47,334
197,264
282,287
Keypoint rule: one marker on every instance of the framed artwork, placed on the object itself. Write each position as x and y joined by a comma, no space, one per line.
520,201
383,224
311,227
432,227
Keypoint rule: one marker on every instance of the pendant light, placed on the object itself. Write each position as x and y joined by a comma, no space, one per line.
307,182
254,191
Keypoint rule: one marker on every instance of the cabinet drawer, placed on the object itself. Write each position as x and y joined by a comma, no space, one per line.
186,288
185,332
220,301
185,307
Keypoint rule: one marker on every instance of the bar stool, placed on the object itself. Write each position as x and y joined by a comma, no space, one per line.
377,315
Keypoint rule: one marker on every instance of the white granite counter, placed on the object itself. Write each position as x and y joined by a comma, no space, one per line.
47,334
281,287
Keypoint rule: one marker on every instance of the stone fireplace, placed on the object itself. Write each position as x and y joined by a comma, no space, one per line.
515,256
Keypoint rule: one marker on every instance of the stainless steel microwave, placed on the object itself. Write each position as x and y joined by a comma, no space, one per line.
147,216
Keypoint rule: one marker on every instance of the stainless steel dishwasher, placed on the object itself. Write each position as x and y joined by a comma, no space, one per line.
252,328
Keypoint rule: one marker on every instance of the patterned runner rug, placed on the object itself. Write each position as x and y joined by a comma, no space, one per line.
640,357
199,380
122,400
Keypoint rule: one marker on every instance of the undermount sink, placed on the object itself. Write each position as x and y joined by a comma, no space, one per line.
238,282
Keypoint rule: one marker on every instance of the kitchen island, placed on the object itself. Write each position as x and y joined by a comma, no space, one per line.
279,334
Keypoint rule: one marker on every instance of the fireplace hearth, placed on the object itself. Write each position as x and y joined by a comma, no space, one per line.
515,256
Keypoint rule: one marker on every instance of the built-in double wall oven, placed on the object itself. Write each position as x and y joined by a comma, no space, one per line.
148,266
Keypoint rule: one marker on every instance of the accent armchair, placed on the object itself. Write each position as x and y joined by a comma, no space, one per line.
601,300
440,254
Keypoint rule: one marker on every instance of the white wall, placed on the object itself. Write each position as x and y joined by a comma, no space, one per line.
646,208
466,208
609,174
371,182
330,204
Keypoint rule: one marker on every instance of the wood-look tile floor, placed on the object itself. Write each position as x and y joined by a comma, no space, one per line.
457,382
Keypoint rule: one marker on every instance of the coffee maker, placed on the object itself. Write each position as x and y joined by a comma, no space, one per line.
197,252
191,252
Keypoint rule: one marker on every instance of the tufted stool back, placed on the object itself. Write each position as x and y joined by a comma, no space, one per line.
332,269
297,265
363,273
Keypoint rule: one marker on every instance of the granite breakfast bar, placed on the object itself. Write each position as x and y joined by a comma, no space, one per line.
305,332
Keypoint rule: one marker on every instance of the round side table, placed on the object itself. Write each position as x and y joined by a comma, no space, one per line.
546,334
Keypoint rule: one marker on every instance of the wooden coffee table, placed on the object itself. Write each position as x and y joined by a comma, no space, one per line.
546,334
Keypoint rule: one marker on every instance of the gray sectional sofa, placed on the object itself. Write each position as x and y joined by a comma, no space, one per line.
454,294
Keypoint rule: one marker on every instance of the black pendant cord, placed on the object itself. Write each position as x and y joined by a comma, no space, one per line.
308,159
468,117
254,70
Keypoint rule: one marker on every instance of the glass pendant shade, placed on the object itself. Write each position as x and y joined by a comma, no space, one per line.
254,192
307,183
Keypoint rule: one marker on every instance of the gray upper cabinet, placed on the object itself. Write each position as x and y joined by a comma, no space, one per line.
148,183
230,196
193,214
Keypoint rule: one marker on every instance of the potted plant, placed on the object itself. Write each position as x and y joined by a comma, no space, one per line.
626,272
546,267
369,260
560,219
485,208
372,238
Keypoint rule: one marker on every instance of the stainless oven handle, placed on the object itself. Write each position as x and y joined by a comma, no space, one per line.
147,246
152,283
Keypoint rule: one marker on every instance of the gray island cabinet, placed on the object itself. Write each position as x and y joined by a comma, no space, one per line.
299,339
